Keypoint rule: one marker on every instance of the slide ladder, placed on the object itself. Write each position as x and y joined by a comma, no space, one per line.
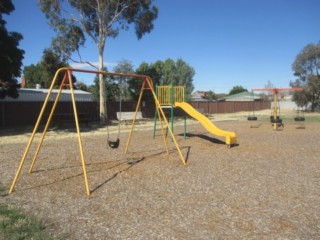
231,137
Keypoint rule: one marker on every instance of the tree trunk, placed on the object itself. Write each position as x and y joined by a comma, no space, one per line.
102,91
313,102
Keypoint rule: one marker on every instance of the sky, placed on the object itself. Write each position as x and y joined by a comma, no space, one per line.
227,42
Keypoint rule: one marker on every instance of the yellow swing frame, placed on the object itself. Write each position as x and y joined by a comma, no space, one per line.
67,81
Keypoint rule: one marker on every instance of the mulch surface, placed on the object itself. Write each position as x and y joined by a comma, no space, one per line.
267,187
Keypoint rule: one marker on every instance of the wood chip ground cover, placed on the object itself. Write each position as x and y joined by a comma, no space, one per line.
265,188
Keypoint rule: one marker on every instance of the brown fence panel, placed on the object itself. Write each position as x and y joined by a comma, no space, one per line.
230,107
14,114
19,113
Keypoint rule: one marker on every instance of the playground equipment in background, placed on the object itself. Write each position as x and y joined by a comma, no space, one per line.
275,117
174,96
67,82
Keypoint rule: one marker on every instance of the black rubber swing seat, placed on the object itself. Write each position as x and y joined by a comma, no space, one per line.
114,144
252,118
299,119
278,120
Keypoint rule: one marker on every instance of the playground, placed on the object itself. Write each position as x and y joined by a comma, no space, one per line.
205,177
266,187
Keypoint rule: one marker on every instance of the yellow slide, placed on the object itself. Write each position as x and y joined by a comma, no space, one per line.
231,137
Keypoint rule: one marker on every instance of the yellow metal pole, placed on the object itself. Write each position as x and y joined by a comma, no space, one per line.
275,115
78,132
174,139
34,131
163,134
148,81
166,121
135,115
48,123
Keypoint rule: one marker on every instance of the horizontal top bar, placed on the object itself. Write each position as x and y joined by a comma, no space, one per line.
275,90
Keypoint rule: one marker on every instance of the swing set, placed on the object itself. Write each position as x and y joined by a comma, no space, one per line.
147,85
275,115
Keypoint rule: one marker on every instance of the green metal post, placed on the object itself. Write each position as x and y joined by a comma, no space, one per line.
172,103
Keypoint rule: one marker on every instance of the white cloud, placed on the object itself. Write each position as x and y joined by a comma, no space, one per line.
96,64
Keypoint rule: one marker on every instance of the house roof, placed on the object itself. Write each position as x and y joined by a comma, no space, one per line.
42,90
38,95
198,96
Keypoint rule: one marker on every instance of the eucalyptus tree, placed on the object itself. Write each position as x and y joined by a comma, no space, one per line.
307,68
75,20
43,72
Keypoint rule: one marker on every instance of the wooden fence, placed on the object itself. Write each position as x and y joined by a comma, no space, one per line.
18,114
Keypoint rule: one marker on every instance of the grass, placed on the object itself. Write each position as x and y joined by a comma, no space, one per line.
16,225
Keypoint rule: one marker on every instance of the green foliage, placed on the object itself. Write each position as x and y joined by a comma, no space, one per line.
135,84
237,89
43,72
169,72
74,20
116,86
210,96
35,74
68,40
126,67
111,87
10,55
15,225
82,86
306,67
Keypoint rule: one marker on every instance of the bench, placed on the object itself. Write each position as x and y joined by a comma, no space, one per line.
127,117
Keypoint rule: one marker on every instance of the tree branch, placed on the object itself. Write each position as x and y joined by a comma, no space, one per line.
86,62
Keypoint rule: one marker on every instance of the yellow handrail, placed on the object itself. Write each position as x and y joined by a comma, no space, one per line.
178,93
168,95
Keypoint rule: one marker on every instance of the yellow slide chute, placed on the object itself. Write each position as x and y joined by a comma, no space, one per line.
231,137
